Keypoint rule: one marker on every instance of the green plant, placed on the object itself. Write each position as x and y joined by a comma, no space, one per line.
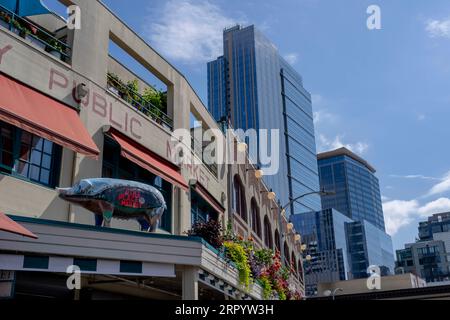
237,254
210,231
267,287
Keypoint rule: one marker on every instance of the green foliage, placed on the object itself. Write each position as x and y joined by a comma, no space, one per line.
237,254
264,256
210,231
267,287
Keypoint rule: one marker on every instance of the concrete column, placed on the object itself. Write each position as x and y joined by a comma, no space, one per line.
190,283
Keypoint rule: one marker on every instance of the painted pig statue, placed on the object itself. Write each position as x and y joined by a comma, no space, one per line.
121,199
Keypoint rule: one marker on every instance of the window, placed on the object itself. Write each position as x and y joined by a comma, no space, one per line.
30,157
256,221
117,167
239,204
201,211
287,256
277,240
268,240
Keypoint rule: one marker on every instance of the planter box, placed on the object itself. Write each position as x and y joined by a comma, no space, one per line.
35,42
56,54
113,90
4,24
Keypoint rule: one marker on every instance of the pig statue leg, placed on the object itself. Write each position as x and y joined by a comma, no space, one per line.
107,211
155,216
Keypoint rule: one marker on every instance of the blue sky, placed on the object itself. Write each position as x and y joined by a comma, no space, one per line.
383,93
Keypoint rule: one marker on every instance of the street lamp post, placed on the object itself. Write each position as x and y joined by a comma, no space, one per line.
282,210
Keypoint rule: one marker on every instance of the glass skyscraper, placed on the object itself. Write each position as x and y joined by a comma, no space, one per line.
355,184
253,87
324,233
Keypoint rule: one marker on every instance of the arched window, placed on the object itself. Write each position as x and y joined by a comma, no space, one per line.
256,221
277,241
287,257
268,240
293,262
239,205
300,270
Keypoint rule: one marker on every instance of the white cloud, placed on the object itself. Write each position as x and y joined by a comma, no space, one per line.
188,31
438,28
291,58
398,213
441,187
437,206
413,176
336,143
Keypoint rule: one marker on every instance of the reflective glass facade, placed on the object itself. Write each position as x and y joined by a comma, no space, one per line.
217,90
265,92
369,246
356,186
324,234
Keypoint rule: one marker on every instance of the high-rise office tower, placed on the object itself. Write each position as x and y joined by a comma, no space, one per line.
255,88
357,195
355,184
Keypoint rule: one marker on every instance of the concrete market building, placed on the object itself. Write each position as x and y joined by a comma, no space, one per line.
63,118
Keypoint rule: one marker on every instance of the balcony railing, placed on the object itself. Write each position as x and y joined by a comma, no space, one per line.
34,34
138,101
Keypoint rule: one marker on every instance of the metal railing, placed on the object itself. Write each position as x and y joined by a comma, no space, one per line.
138,102
35,34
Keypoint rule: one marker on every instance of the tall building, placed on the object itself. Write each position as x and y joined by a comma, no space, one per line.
341,248
324,233
351,221
262,91
357,190
429,257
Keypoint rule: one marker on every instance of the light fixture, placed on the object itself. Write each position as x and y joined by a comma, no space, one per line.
82,90
259,174
297,237
304,247
290,226
242,147
308,258
270,194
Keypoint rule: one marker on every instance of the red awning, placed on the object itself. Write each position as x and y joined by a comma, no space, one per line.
36,113
146,159
8,225
216,205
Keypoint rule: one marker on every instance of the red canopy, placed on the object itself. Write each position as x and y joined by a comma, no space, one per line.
36,113
146,159
8,225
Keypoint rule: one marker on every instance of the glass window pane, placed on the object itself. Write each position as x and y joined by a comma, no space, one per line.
7,159
38,143
46,161
45,176
36,157
25,152
34,173
48,147
26,137
22,169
